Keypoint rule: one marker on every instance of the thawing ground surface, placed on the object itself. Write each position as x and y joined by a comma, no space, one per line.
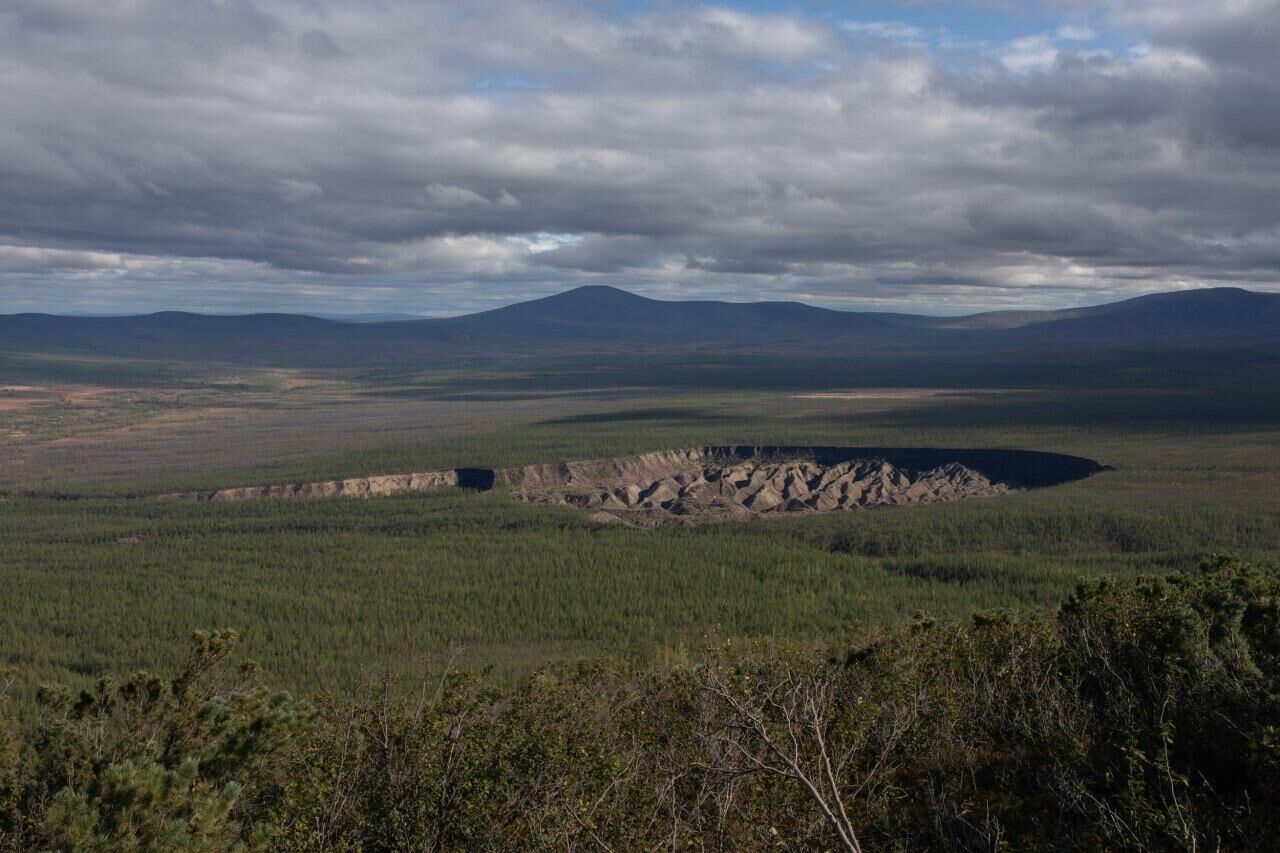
739,482
702,483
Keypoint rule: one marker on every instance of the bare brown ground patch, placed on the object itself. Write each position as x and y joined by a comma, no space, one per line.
292,383
173,421
712,483
87,393
243,430
903,393
16,397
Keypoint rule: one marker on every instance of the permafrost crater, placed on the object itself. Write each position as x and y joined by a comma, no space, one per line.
728,481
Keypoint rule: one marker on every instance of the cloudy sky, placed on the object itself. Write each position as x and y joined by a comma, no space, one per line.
442,157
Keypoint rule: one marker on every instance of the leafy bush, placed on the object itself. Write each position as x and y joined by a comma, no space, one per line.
186,764
1142,715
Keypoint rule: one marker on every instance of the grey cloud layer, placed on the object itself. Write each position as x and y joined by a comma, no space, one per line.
450,154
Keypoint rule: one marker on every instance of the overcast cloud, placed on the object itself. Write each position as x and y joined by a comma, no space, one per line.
235,155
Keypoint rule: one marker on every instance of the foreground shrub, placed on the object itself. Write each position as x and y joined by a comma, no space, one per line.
191,763
1142,715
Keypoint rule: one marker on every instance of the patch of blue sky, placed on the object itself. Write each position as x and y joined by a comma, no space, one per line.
544,241
951,29
500,87
960,29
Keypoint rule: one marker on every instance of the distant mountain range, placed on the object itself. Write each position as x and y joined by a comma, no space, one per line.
597,318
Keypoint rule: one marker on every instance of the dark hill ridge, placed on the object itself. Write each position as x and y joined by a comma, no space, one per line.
609,314
1225,311
598,318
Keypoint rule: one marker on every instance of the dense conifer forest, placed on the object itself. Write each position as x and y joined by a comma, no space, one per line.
1139,714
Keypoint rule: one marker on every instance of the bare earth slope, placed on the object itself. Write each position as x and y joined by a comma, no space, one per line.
353,487
743,488
703,483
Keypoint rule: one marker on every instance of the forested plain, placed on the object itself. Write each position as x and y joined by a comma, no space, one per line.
418,600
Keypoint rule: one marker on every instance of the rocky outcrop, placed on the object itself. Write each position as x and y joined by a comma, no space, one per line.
753,487
722,481
588,472
354,487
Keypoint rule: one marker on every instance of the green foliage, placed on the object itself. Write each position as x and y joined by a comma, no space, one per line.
1179,677
148,763
327,591
142,805
1142,715
11,760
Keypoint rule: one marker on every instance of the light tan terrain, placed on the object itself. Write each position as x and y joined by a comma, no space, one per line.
65,438
750,487
690,484
903,393
352,487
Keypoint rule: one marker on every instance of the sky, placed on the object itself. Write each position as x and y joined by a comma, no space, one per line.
437,158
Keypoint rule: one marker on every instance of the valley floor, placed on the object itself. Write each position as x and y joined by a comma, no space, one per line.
102,580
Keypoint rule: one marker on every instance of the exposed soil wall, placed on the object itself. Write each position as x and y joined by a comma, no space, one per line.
723,480
354,487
